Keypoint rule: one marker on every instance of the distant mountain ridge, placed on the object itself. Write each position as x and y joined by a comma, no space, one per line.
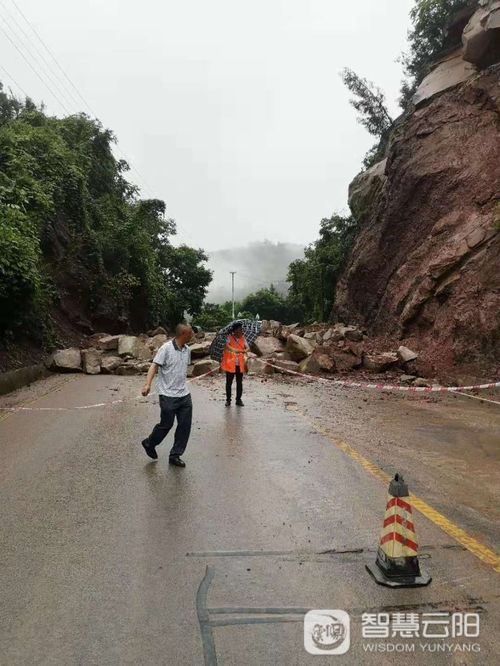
257,265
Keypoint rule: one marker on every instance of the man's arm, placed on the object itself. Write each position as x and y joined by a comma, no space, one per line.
153,369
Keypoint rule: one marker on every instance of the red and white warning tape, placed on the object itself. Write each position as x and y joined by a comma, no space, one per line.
336,382
386,387
109,403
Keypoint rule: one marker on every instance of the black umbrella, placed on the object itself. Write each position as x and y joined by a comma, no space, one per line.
251,329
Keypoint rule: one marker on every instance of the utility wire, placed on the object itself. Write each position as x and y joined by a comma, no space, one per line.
31,44
14,81
142,181
33,69
68,87
52,56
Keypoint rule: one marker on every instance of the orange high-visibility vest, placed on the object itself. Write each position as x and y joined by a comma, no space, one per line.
229,358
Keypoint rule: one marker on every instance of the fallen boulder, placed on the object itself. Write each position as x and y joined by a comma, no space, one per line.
406,355
282,356
257,367
379,362
265,346
142,349
420,382
310,365
285,330
283,366
159,330
345,360
200,349
108,342
91,361
157,341
110,363
327,335
407,379
66,360
299,348
353,334
325,362
204,366
127,345
129,368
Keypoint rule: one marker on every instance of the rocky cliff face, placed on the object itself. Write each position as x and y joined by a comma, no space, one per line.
426,264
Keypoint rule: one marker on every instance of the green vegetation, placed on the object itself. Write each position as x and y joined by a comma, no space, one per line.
214,316
73,229
314,278
312,282
369,102
427,36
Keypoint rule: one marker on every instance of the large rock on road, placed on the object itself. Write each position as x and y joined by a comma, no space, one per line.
267,346
66,360
299,348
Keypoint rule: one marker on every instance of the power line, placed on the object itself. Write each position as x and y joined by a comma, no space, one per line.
32,44
53,57
142,181
14,80
34,70
64,84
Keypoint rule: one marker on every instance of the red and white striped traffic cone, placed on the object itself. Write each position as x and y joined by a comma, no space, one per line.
397,562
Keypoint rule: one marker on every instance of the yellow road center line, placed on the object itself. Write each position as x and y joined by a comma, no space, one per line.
477,397
472,545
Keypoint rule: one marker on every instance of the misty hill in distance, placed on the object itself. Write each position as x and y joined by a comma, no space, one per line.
257,265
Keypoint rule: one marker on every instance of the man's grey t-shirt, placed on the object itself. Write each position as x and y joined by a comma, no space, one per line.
172,370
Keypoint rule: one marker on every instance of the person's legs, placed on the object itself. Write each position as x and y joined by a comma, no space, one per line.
229,384
161,430
184,413
239,385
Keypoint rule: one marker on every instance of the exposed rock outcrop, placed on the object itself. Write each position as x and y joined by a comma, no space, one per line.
481,36
426,261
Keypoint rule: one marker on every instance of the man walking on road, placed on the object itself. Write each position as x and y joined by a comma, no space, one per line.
170,363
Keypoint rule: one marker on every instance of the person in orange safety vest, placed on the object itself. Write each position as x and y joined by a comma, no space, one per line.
233,363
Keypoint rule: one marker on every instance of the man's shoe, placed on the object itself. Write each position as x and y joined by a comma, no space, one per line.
150,450
228,403
239,403
177,461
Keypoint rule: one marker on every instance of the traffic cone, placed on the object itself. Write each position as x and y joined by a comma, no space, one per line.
397,562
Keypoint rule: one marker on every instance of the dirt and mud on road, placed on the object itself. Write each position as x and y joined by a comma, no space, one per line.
109,558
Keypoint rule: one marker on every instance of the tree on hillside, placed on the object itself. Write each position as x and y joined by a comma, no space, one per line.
268,303
74,229
369,102
313,279
214,316
430,19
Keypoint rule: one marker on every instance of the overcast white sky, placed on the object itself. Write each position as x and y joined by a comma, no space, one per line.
233,112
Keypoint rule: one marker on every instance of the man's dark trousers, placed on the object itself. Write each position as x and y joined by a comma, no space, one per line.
170,408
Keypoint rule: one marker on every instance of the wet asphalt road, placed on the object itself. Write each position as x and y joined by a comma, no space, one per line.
107,558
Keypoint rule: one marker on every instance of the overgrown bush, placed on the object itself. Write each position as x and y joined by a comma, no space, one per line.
69,217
